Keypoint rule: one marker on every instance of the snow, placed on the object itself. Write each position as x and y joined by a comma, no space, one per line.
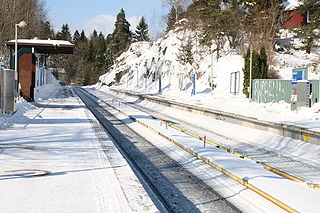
159,58
57,136
43,42
302,198
7,121
176,85
291,4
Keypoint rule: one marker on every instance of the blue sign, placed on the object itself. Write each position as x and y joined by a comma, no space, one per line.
300,74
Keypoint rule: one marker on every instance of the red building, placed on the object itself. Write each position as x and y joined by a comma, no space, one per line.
296,20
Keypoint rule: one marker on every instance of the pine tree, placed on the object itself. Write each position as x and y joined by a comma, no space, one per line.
109,55
171,19
142,31
263,64
101,50
121,36
83,37
76,37
46,30
185,55
94,34
260,68
212,21
90,55
310,32
64,34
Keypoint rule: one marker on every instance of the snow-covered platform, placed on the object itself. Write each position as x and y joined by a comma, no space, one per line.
288,194
242,114
52,161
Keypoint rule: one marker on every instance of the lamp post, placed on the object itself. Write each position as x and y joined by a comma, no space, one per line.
211,74
250,78
247,45
21,25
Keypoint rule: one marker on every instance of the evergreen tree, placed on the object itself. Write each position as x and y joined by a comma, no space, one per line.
260,68
83,37
310,32
101,50
121,36
142,31
185,55
64,34
212,21
90,55
94,34
171,19
46,30
76,37
263,64
102,43
109,55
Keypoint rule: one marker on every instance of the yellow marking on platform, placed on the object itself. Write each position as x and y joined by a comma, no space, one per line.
227,173
306,137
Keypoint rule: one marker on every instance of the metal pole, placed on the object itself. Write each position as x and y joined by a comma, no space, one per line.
211,80
250,73
16,54
137,79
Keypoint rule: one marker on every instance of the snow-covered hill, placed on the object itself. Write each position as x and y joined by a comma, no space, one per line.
139,67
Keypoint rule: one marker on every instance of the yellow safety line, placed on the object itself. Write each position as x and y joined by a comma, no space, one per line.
269,168
207,161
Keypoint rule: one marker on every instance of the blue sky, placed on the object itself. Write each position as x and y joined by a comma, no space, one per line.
100,14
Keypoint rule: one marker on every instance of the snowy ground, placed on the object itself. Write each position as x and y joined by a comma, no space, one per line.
231,136
268,182
57,137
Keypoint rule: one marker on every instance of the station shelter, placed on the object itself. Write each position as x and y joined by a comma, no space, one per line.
31,52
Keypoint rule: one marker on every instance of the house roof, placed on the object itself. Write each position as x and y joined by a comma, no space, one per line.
44,46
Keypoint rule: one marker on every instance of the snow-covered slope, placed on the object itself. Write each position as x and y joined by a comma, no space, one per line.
139,67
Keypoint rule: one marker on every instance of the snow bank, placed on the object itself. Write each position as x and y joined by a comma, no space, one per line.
41,93
47,90
7,121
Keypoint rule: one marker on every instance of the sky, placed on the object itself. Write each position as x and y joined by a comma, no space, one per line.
101,14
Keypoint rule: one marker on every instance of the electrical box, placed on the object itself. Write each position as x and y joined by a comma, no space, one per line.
8,94
300,94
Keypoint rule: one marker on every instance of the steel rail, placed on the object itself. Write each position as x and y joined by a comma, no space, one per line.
136,167
227,173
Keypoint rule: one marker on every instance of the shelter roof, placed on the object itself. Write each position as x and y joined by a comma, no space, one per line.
44,46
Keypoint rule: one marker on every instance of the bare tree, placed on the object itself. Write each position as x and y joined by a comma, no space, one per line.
183,4
13,12
264,22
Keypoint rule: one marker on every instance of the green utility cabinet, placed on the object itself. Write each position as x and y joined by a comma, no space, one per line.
275,90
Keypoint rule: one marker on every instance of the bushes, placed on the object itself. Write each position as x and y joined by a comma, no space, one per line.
259,68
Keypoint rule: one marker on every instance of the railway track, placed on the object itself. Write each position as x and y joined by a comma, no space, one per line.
290,168
173,185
